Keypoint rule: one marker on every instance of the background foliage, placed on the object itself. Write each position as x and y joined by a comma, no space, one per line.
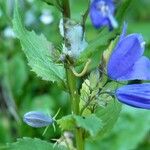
21,90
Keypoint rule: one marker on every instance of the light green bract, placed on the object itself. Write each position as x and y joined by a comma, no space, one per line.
37,50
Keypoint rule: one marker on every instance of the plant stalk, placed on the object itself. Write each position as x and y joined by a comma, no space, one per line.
74,97
66,9
72,80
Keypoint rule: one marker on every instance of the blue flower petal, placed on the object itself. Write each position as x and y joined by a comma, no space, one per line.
125,55
101,13
140,70
37,119
135,95
98,20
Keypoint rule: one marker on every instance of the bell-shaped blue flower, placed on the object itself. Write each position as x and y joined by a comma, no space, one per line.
127,61
37,119
135,95
102,13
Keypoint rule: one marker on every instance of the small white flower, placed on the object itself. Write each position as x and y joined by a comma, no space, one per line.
9,33
46,17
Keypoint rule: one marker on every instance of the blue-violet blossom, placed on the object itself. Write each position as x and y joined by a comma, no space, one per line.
102,13
37,119
127,61
136,95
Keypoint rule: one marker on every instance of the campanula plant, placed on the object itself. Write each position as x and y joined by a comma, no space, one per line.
89,90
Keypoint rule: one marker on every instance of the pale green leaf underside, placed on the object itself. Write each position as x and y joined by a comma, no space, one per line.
37,50
31,144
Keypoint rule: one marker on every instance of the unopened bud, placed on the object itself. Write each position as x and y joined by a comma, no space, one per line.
37,119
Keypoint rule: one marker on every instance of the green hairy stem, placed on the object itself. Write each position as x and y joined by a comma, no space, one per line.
72,82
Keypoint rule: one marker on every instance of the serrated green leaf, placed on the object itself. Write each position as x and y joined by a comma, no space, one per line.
31,144
67,123
85,91
91,123
87,97
37,49
109,116
94,78
70,122
110,112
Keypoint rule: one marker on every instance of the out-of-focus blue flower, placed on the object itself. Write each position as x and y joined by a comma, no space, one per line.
37,119
102,13
136,95
127,61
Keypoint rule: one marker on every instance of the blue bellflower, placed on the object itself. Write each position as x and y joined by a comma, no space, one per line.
127,61
37,119
102,13
136,95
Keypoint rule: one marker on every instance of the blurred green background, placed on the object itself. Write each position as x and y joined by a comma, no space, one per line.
22,91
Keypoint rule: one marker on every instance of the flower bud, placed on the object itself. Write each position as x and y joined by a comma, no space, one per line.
135,95
37,119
